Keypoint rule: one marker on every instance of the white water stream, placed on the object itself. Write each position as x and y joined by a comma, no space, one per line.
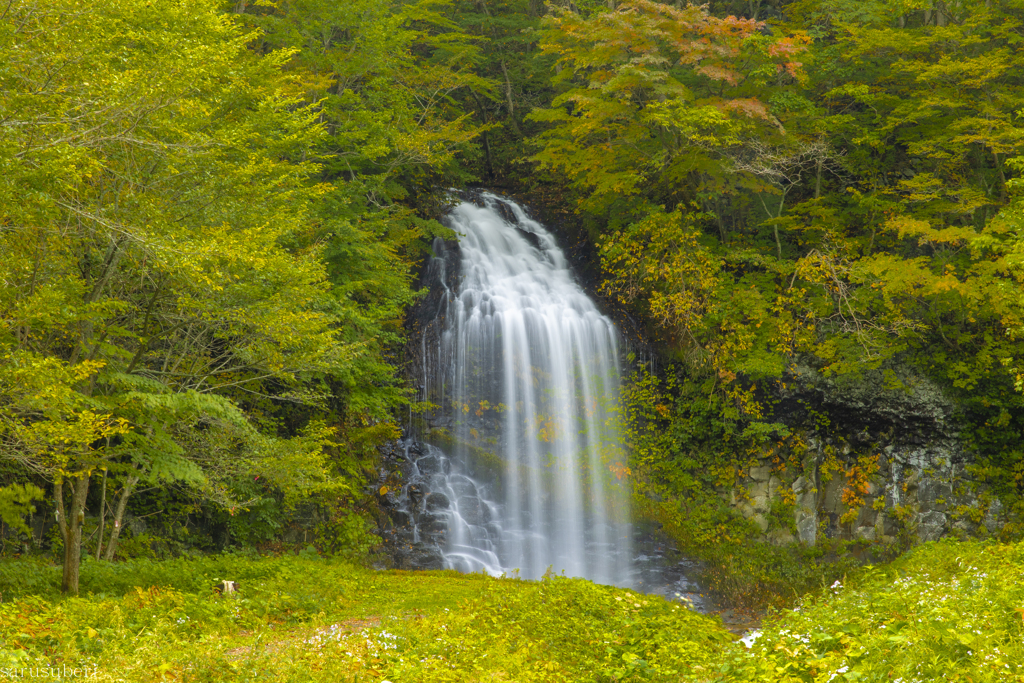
528,368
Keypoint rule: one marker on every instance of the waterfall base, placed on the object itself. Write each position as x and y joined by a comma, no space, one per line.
426,493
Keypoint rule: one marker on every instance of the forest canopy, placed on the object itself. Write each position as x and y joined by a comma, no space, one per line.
213,214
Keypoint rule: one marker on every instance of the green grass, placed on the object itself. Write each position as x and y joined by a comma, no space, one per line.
303,619
949,611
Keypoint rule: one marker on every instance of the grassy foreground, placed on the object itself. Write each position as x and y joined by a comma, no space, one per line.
305,619
948,611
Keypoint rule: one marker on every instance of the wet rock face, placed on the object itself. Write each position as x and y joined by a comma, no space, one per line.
429,507
419,556
437,501
414,527
885,465
473,510
878,400
431,510
427,322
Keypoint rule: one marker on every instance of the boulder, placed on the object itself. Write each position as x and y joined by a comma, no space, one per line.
437,501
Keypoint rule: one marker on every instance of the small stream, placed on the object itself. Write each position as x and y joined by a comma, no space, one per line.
660,569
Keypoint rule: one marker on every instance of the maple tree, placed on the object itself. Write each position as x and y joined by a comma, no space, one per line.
648,92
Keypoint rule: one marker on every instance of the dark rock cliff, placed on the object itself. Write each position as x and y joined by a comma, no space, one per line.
881,462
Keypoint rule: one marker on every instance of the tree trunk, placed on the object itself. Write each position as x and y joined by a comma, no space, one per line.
122,502
58,496
487,155
1002,177
103,515
486,138
718,215
72,532
778,242
511,101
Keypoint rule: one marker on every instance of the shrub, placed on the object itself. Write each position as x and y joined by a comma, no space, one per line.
947,611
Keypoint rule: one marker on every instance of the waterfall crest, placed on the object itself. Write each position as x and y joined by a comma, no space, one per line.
527,370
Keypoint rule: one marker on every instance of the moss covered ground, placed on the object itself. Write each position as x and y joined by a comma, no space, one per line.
947,611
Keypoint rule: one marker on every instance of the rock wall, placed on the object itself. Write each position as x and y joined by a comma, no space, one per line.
414,525
875,459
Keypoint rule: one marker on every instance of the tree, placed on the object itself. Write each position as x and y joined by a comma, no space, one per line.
783,170
16,503
382,77
385,80
152,177
517,75
649,92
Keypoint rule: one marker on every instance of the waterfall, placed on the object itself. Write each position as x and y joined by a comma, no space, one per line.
529,463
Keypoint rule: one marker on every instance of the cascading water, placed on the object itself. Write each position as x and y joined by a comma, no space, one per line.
526,369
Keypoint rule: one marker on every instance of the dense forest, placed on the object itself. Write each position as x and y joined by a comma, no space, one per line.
213,217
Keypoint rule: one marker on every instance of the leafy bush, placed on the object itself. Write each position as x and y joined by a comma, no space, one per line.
348,535
946,611
759,574
739,569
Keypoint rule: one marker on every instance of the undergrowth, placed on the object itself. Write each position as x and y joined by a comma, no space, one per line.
301,619
739,569
947,611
